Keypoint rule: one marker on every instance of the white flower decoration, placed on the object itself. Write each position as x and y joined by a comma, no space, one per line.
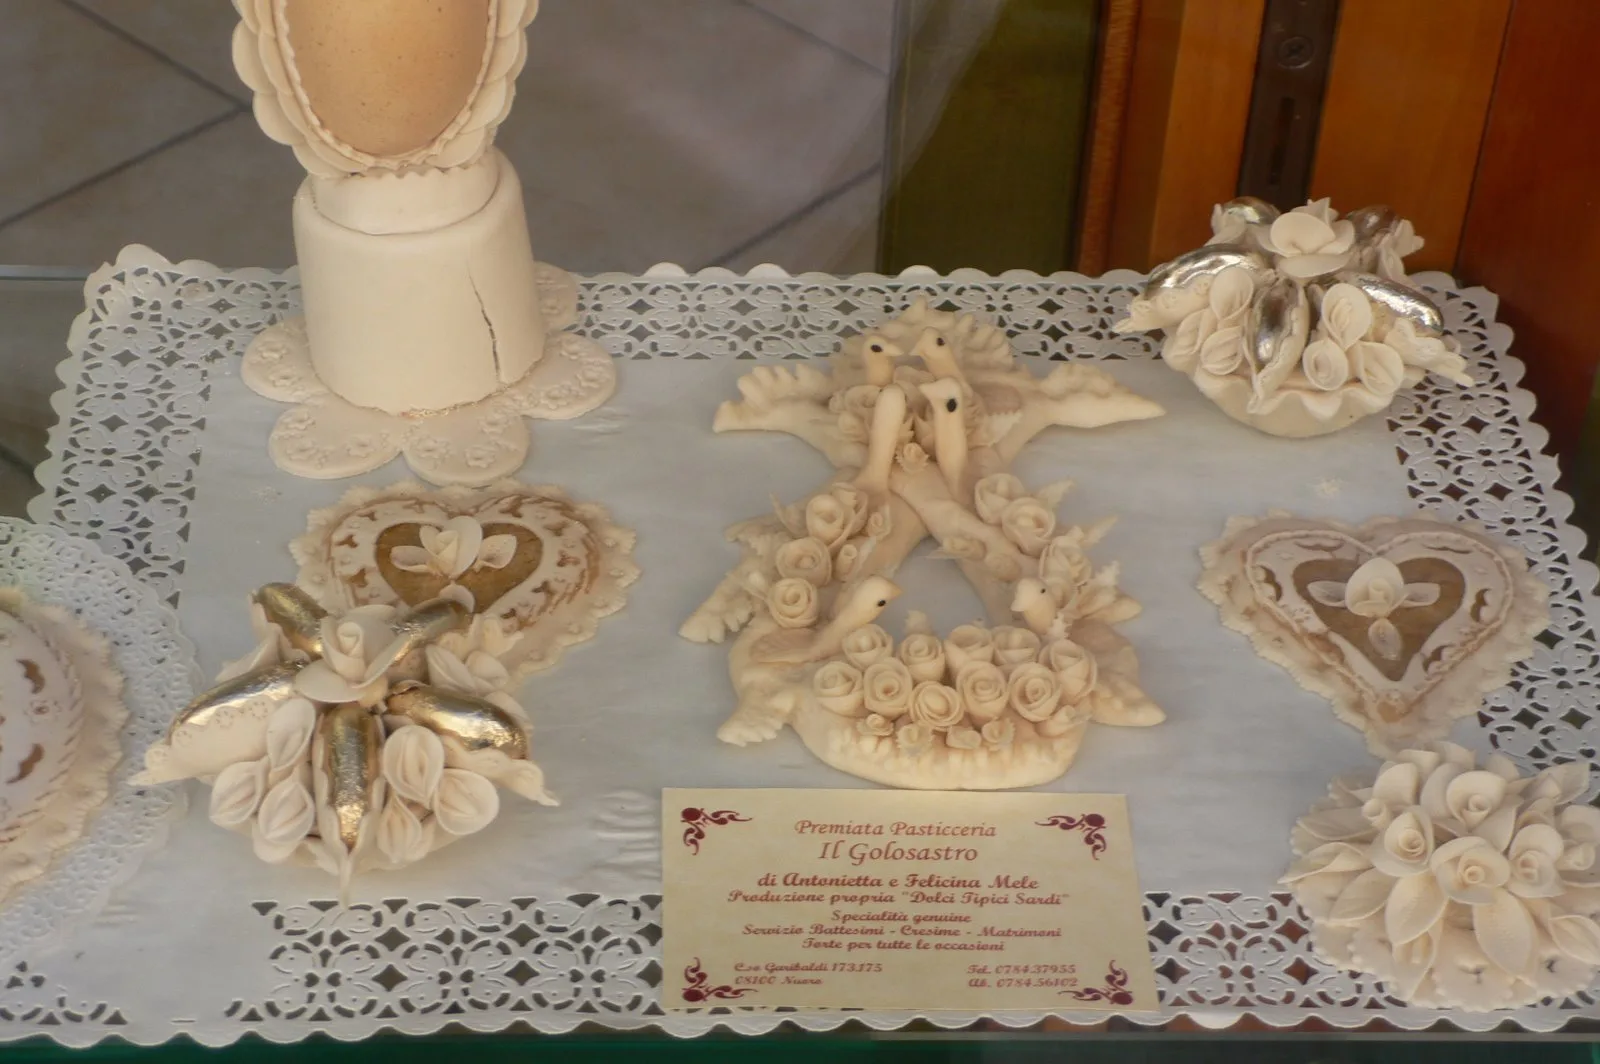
994,493
793,602
878,727
868,645
1375,591
1444,879
451,551
1309,241
1029,524
1392,247
999,733
806,558
985,694
1211,339
838,687
937,706
888,689
359,648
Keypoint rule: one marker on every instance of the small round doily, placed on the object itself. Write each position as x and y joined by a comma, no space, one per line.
159,674
324,437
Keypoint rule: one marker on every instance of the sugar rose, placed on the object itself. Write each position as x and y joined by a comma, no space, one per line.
1074,666
937,706
836,515
807,559
1035,691
999,733
840,688
1064,563
888,689
994,493
1029,524
966,644
793,603
923,654
983,690
1014,646
868,645
875,725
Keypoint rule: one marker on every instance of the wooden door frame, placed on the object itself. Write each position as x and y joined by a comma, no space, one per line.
1174,81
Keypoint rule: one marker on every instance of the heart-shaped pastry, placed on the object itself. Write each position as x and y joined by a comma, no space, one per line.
1403,623
544,566
61,713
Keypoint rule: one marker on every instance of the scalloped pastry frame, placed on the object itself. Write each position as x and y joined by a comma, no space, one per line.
1457,693
264,59
570,623
324,437
61,818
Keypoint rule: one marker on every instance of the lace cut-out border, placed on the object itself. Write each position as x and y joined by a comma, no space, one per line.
121,471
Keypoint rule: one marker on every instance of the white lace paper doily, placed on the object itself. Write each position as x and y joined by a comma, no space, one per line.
154,373
157,665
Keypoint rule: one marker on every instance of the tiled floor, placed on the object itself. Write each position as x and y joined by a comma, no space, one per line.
702,132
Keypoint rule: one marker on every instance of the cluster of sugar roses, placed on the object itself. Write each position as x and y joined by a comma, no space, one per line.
1459,885
971,690
359,740
1298,323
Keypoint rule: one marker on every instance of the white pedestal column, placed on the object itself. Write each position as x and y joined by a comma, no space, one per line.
417,298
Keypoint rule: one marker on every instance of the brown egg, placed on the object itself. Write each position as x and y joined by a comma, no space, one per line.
387,76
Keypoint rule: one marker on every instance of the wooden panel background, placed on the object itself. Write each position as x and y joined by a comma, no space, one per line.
1188,100
1532,232
1404,112
1119,26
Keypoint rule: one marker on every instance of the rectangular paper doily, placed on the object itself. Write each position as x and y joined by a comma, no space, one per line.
547,917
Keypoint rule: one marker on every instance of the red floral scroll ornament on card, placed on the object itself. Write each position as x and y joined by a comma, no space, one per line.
698,819
1093,826
699,986
1115,991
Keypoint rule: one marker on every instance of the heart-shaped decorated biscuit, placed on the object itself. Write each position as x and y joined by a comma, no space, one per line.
545,567
1403,623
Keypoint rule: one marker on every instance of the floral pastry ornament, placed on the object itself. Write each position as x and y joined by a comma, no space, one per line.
1403,623
922,447
364,739
61,712
547,568
1458,884
1298,323
450,551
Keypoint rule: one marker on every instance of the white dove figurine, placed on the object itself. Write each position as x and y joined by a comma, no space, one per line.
947,403
877,357
888,415
937,354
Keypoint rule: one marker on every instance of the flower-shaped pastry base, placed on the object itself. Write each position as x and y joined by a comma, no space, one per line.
324,437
